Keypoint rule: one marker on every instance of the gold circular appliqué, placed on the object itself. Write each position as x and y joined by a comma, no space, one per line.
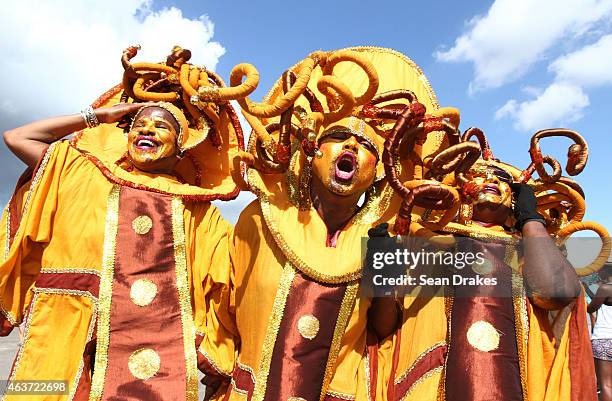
143,291
144,363
484,269
142,224
308,326
483,336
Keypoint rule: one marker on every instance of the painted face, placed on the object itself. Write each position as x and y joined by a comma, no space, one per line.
495,186
152,141
348,165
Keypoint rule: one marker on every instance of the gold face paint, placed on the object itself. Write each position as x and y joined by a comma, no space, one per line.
494,185
152,140
348,164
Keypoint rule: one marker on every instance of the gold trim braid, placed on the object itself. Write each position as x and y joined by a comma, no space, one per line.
7,227
182,283
421,379
343,317
68,270
278,309
106,293
295,260
211,361
521,324
418,358
26,336
36,180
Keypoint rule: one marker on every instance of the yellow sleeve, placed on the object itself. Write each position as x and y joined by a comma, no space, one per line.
559,355
11,215
209,234
21,262
214,311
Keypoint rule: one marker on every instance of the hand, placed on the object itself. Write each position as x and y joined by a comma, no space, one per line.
380,242
385,312
525,205
109,115
381,230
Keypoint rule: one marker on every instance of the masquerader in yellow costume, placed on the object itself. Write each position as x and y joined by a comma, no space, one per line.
286,322
117,234
526,337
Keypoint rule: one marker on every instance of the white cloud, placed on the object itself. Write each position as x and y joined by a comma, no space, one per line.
508,109
565,99
532,90
59,56
515,34
589,66
559,104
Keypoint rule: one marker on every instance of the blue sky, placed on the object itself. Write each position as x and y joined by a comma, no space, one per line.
511,67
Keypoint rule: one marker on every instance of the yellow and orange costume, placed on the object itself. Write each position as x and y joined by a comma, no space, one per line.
285,322
482,344
107,261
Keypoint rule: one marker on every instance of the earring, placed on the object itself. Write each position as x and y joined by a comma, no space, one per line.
466,211
304,185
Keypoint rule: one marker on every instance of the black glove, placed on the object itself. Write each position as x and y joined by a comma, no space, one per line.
379,241
381,230
525,205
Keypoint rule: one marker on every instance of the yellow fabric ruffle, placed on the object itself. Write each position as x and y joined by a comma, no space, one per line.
108,144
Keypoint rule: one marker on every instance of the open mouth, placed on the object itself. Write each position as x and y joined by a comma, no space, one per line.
346,165
491,189
146,143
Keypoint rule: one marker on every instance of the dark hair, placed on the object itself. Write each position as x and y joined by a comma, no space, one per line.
606,271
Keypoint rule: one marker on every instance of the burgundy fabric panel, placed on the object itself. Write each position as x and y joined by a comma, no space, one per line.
69,281
372,350
6,327
472,374
84,384
431,360
244,381
298,364
157,325
213,380
581,365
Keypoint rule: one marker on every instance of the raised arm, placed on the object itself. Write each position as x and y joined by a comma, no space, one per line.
30,141
549,276
604,292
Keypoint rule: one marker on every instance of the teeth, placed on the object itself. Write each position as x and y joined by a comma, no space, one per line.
146,142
